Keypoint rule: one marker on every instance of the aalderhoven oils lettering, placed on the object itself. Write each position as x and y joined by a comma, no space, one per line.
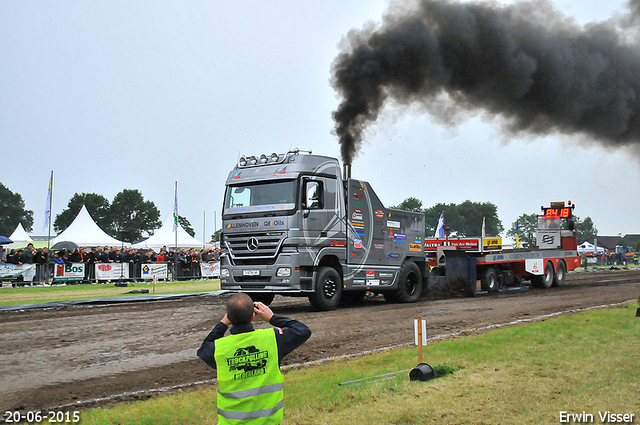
242,225
247,224
250,361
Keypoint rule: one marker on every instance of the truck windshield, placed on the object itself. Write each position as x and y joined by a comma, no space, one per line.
257,197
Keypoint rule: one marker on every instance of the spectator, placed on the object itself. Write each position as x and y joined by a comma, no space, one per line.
182,262
160,257
204,255
15,257
28,254
146,257
61,257
114,256
102,255
42,260
195,260
244,396
75,256
92,256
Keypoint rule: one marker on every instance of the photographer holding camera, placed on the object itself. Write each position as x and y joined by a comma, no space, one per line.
250,384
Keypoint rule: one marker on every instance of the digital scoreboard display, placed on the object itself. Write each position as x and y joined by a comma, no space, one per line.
562,212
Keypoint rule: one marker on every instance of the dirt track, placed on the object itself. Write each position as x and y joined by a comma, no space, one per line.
58,356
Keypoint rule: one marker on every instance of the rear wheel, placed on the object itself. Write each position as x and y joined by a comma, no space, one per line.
561,274
328,289
546,280
410,285
262,297
490,281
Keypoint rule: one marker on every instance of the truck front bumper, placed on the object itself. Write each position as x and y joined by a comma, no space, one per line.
284,276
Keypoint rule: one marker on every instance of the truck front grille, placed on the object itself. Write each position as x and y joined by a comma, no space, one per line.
253,246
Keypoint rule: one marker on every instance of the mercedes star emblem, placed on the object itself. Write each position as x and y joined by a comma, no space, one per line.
252,244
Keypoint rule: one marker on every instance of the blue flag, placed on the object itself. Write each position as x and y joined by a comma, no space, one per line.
440,229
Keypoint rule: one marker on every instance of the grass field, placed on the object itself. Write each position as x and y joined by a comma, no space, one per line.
587,362
43,294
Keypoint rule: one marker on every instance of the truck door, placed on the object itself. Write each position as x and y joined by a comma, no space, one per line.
314,210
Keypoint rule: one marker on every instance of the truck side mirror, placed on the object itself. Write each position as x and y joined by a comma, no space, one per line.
313,196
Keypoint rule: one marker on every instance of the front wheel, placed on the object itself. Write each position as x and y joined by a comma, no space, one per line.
328,289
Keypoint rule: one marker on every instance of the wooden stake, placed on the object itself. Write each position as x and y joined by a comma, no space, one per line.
155,278
419,339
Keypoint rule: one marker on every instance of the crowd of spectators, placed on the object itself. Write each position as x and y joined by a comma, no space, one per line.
28,255
187,261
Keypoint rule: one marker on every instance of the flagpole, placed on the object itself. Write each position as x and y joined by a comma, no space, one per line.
175,219
48,208
47,218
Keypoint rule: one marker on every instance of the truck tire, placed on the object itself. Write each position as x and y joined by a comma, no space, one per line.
410,285
546,280
262,297
561,274
328,289
490,281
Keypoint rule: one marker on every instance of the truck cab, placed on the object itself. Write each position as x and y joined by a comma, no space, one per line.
293,226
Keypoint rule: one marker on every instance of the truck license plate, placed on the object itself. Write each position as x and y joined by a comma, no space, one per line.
251,273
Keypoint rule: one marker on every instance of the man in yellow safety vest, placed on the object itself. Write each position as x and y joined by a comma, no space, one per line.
250,384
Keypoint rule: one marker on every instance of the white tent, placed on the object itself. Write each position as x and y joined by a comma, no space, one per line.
166,236
85,232
588,248
19,236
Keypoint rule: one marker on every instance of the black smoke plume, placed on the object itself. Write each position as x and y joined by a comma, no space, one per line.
527,63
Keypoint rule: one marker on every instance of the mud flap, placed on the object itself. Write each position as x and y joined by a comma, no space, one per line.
534,266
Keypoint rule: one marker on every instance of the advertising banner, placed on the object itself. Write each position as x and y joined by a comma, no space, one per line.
13,271
211,269
112,271
149,270
491,244
548,239
69,272
463,244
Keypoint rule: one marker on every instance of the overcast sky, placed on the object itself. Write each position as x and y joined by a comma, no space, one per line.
138,95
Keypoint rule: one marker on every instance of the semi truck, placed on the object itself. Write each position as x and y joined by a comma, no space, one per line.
298,224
